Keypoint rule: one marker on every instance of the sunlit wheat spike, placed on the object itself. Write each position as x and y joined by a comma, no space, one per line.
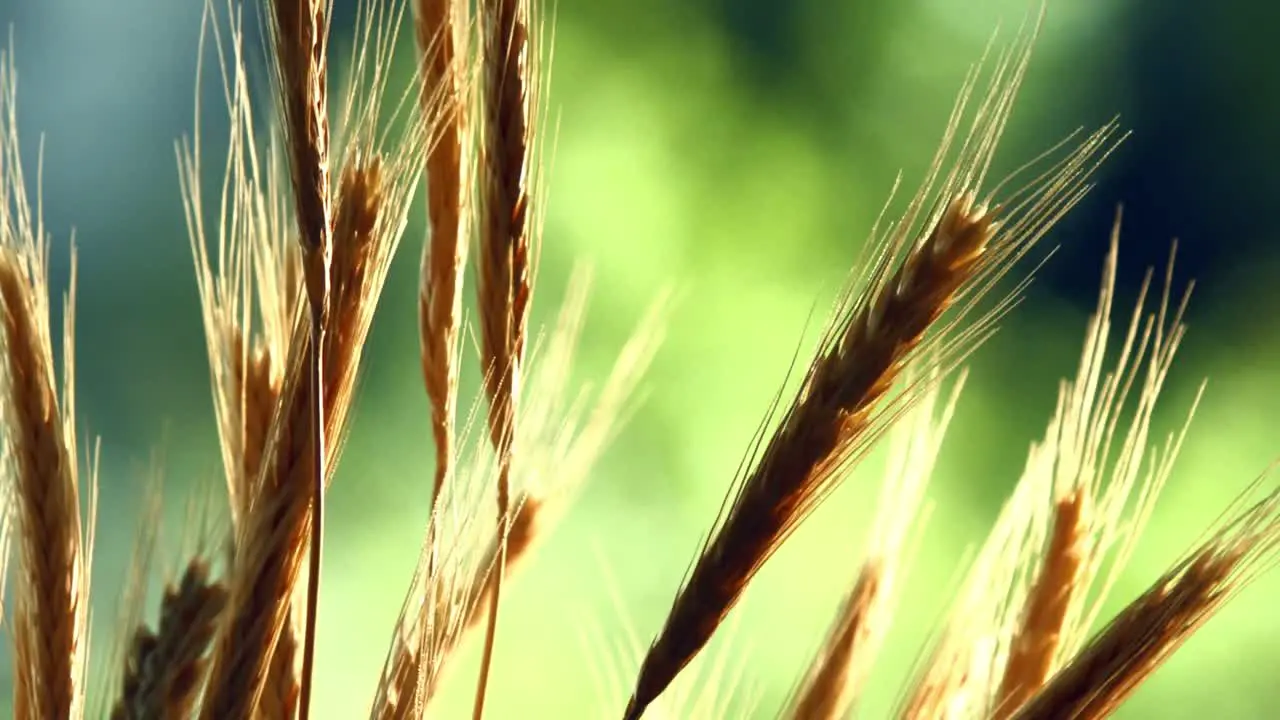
565,427
443,28
1078,508
375,181
928,270
1094,682
247,268
511,80
838,672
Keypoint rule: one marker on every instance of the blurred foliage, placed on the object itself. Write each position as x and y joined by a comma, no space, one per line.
738,151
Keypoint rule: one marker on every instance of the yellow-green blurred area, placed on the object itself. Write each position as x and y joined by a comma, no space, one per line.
737,151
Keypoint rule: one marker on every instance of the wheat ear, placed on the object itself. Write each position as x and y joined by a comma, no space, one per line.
371,204
1044,615
564,431
256,259
1095,524
838,672
1077,509
442,41
50,622
846,399
509,85
300,34
268,550
165,668
1097,680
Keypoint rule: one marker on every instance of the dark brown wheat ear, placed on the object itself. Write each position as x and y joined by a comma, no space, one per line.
942,255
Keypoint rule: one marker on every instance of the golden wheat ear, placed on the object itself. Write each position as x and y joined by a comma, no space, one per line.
838,672
563,430
1076,512
247,269
1094,682
369,193
442,29
41,474
508,219
928,270
248,291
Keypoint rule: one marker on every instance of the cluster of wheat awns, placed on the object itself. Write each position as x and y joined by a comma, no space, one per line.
290,272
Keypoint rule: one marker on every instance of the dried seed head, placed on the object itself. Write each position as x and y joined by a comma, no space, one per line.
563,431
1107,671
41,473
1077,509
928,270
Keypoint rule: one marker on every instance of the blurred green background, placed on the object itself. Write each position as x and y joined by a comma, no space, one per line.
737,150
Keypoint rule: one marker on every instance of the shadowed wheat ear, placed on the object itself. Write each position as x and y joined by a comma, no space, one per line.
928,262
563,430
41,473
1078,508
836,676
165,668
1100,501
